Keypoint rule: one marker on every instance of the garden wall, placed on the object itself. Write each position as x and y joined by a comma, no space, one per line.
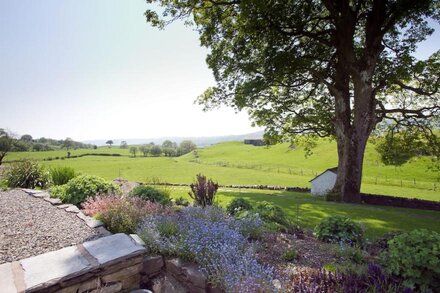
174,275
402,202
108,264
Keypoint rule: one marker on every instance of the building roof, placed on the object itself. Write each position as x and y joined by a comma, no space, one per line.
333,170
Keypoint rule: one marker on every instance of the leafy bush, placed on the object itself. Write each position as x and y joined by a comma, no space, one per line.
203,191
81,187
339,229
62,175
237,205
415,256
273,215
289,254
121,214
150,193
26,174
212,239
250,225
182,201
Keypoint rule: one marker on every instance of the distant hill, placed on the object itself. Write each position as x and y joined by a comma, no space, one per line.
199,141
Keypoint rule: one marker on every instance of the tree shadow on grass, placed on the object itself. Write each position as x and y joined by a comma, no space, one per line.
376,219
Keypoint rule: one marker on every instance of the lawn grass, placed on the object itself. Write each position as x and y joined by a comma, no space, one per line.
377,220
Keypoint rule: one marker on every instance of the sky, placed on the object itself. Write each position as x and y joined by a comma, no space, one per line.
96,70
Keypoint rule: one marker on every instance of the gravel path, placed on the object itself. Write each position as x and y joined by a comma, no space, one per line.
30,226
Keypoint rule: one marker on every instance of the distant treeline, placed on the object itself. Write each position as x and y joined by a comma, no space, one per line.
167,149
26,143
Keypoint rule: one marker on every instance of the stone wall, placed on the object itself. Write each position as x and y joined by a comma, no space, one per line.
173,275
108,264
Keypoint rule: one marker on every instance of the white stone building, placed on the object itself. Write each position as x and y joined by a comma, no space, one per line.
324,182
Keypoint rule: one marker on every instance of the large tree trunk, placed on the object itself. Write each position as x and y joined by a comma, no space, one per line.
353,130
352,162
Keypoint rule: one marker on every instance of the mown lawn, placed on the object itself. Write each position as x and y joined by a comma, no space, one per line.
377,220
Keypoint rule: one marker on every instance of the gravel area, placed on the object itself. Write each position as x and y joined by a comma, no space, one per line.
30,226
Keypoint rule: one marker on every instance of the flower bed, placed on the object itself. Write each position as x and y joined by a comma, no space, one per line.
215,241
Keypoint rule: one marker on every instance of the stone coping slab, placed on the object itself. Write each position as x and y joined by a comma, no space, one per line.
39,272
43,269
7,284
110,248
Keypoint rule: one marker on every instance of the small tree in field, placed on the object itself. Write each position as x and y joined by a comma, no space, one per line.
68,143
124,144
133,150
187,146
5,144
203,191
144,149
109,142
155,151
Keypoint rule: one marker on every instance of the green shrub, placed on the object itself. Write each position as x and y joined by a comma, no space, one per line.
273,215
62,175
181,201
81,187
289,254
415,256
237,205
150,193
26,174
339,229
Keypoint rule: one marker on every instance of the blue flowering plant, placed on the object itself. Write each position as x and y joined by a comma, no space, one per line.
216,241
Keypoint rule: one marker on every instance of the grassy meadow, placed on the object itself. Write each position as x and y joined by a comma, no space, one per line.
237,163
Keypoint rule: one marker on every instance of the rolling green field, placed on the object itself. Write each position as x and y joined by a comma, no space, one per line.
236,163
376,220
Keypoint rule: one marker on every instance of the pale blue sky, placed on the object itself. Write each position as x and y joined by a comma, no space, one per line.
96,69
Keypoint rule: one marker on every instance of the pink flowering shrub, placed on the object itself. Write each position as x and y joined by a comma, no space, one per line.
122,214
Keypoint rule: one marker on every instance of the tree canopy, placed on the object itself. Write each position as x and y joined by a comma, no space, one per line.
320,68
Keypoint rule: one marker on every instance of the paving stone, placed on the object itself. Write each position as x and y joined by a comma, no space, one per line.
72,209
93,223
110,248
83,217
103,231
50,267
7,279
32,191
54,201
64,206
41,194
137,239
